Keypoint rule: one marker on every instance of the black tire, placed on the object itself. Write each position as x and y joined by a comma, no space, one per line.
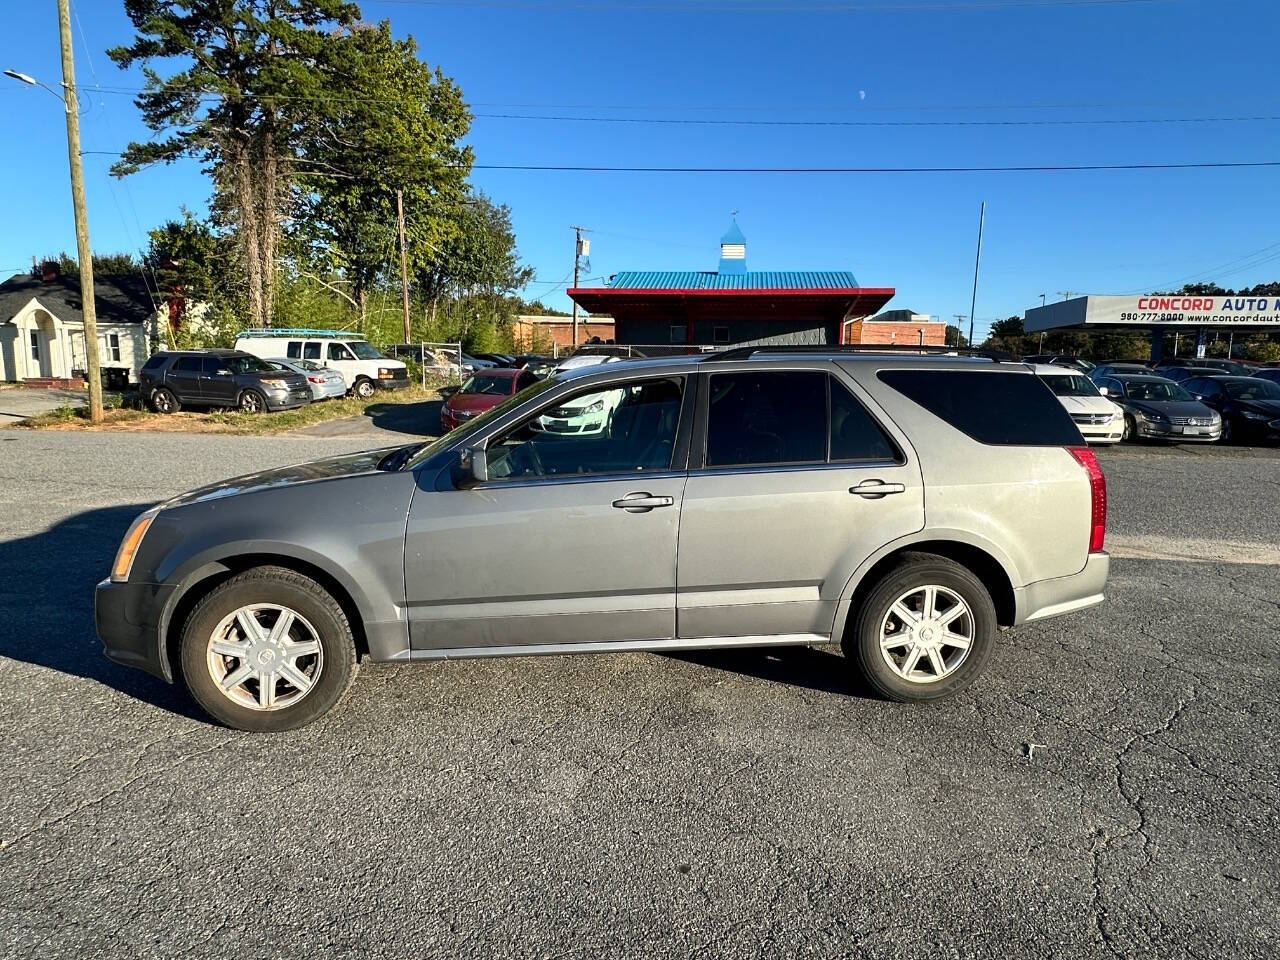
305,597
1130,430
363,388
251,401
1228,434
861,642
162,400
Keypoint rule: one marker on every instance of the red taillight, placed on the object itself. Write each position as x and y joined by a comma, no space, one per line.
1097,496
316,379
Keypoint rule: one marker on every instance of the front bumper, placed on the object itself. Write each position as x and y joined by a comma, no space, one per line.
287,399
128,618
1165,431
398,383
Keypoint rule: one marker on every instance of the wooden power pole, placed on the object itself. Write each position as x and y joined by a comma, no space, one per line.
83,251
404,263
577,257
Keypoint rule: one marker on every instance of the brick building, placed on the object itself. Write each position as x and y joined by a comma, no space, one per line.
897,328
537,332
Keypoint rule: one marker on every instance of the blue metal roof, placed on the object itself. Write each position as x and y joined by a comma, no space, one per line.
733,234
752,280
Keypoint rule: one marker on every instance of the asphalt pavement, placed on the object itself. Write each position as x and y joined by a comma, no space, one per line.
1109,789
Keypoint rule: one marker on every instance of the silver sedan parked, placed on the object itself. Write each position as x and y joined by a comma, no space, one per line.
324,382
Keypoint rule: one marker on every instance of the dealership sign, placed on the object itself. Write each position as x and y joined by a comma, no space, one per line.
1152,310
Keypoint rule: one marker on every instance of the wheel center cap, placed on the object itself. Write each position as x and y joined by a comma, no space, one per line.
926,634
266,657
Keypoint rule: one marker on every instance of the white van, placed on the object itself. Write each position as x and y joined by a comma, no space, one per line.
363,367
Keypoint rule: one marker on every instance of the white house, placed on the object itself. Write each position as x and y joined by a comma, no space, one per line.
42,327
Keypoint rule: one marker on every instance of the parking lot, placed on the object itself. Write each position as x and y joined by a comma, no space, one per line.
1109,788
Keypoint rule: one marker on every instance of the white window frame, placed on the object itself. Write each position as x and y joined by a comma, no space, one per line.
35,345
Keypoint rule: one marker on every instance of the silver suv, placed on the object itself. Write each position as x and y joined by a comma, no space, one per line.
903,506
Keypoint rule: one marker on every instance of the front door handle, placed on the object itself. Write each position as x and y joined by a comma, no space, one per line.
642,502
875,489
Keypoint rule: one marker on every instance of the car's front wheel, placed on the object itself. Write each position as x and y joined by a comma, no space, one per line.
925,630
1130,429
251,401
268,650
363,388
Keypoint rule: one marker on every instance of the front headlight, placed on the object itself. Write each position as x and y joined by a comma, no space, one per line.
387,373
129,546
1152,417
595,406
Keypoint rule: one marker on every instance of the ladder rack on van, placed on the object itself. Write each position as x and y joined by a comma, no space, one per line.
300,332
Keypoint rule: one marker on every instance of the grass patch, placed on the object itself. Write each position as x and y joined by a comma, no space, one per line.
67,417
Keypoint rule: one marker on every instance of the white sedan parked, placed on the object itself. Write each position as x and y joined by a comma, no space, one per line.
324,382
1098,419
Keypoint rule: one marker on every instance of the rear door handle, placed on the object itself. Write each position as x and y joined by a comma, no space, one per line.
875,489
642,502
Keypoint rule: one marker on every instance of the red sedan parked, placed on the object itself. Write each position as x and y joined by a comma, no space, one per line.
482,391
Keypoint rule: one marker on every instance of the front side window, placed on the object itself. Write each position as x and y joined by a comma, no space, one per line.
756,418
627,428
1252,388
338,352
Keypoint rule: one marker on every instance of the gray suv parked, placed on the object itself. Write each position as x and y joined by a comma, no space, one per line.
905,507
172,379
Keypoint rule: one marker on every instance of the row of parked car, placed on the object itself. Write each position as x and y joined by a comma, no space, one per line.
1187,399
269,370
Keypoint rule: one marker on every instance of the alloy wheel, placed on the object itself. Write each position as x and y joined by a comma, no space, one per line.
264,656
250,403
926,633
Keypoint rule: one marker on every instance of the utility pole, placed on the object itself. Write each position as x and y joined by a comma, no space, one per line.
577,258
1065,294
959,318
982,217
83,251
1042,299
404,264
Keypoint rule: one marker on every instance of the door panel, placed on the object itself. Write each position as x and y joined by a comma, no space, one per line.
184,378
770,551
217,383
544,561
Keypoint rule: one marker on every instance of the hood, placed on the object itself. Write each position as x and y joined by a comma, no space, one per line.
348,465
1172,408
1269,407
474,402
1087,404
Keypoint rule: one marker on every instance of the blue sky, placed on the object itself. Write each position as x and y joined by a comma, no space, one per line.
812,60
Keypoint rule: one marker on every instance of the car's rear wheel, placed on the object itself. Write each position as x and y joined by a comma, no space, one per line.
268,650
251,401
363,388
1130,429
924,631
163,401
1227,432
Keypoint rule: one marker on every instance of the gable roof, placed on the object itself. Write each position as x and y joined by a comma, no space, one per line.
122,298
749,280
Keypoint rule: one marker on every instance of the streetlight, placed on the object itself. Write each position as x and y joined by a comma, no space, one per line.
83,250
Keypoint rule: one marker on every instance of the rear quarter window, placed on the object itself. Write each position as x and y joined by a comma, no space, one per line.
1003,409
156,361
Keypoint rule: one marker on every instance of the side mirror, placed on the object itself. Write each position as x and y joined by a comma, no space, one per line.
475,466
1103,391
448,392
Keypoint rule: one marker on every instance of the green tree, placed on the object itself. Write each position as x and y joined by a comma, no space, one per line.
1012,327
354,158
247,75
953,336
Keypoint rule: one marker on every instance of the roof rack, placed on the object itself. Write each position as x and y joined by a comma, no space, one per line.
300,332
746,353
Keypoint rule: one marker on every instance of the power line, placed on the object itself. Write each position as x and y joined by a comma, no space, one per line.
702,121
770,6
1199,274
1023,168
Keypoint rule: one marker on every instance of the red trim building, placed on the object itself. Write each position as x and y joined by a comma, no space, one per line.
731,305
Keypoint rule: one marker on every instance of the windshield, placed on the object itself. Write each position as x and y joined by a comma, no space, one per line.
472,426
246,364
1251,389
1071,386
1158,390
365,350
486,384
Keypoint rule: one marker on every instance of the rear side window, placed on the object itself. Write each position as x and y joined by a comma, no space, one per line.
190,364
294,350
310,351
767,418
854,434
1006,409
156,361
